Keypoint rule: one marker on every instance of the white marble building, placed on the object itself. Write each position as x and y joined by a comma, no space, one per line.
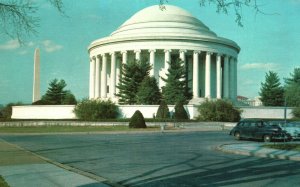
158,35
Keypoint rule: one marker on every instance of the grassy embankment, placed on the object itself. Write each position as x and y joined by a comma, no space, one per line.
288,147
62,129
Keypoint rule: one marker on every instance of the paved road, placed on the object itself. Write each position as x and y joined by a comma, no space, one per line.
162,159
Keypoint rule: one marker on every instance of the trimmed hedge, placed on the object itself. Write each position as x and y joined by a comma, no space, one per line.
163,111
137,120
180,112
95,110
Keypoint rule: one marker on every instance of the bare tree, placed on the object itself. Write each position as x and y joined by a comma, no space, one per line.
224,6
18,17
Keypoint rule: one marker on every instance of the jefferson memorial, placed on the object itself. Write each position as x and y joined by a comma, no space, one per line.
159,35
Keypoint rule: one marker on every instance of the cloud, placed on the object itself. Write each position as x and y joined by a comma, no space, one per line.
10,45
260,66
50,46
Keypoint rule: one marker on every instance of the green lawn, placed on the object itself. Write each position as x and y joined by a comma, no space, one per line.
288,147
56,128
2,182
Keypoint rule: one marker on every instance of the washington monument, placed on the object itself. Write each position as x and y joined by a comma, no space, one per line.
36,76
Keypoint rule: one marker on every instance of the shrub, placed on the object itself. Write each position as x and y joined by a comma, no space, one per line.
163,111
6,112
137,120
296,112
180,112
218,110
96,109
3,183
41,102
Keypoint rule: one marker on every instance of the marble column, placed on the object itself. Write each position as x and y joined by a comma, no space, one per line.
97,77
124,57
226,77
219,77
208,75
92,78
137,55
152,61
182,55
231,77
167,58
196,74
118,72
113,75
235,79
104,77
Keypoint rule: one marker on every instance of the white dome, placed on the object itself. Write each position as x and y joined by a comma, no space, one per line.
171,21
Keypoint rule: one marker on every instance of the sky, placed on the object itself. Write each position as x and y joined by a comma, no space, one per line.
269,41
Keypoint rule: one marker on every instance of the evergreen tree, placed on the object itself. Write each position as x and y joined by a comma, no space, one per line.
292,89
180,112
271,92
148,92
137,120
176,89
163,111
133,73
57,95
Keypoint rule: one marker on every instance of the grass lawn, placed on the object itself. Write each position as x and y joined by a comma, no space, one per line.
288,147
56,128
3,183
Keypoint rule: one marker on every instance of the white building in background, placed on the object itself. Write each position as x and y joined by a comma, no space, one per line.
159,35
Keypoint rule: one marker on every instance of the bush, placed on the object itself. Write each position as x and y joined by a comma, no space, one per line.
96,109
296,112
3,183
6,112
180,112
218,110
137,120
41,102
163,111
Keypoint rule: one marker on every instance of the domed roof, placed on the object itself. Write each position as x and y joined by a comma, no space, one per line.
155,21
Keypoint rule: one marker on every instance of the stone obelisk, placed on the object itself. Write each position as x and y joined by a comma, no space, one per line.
36,76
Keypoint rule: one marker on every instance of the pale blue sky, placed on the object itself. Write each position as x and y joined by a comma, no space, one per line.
268,42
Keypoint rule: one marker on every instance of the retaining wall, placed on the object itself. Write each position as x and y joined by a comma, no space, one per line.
126,111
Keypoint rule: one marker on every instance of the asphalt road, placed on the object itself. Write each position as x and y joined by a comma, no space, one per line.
162,159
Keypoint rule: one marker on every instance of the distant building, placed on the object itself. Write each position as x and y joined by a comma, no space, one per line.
159,35
250,102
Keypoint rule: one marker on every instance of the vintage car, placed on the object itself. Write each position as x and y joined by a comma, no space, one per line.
259,129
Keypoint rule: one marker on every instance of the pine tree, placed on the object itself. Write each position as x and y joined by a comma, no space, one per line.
176,88
148,92
132,76
292,89
57,95
271,92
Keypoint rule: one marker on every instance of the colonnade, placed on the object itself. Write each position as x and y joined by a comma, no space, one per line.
220,71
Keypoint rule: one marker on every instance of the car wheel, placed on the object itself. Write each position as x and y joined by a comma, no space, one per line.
237,135
267,138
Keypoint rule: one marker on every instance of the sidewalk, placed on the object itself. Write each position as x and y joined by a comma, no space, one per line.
257,149
21,168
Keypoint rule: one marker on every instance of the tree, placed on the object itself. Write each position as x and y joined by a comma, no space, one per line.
180,112
57,95
224,6
292,89
148,92
176,88
271,92
18,18
163,111
133,73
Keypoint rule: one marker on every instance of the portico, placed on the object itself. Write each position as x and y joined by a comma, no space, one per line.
211,61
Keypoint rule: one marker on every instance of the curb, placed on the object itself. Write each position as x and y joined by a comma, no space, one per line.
265,152
68,168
